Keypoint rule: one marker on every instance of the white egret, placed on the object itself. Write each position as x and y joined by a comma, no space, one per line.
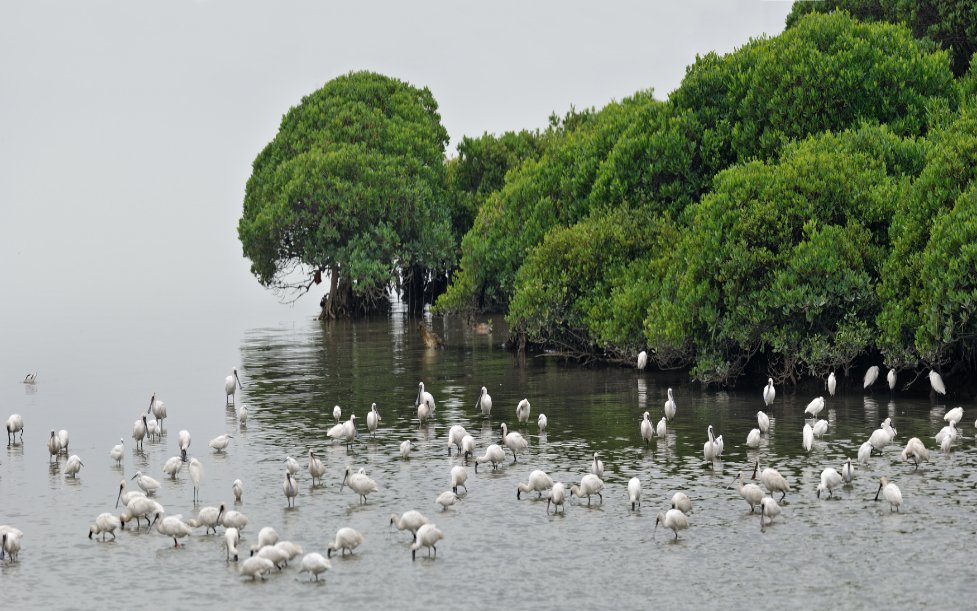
647,428
405,448
634,492
118,451
751,493
73,466
879,439
172,466
847,472
681,502
814,407
768,509
234,519
808,437
709,449
820,428
493,454
538,482
865,452
290,488
291,465
231,384
174,526
158,409
427,536
63,440
891,379
514,441
183,442
769,392
763,422
719,446
337,413
484,403
947,432
945,444
256,566
830,478
832,383
753,438
661,429
672,519
314,564
597,467
459,475
541,423
53,445
889,429
347,540
104,523
232,538
670,407
446,499
558,497
455,434
772,480
373,420
316,467
238,489
242,415
590,484
15,424
871,375
467,447
522,411
409,520
359,482
936,381
891,493
955,415
424,404
196,473
208,517
642,360
915,451
146,483
220,442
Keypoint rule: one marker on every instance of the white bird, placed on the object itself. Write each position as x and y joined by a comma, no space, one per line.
373,420
220,442
344,431
53,445
337,412
148,484
314,564
424,404
891,379
292,465
832,383
484,403
290,549
256,566
947,432
467,446
172,466
681,502
427,536
808,437
158,408
30,378
936,381
359,482
647,428
73,466
772,480
946,443
590,484
769,392
117,451
672,519
768,509
316,467
538,482
173,526
152,430
558,497
208,517
63,440
493,454
139,429
278,556
446,499
719,446
104,523
541,422
847,472
634,492
879,439
231,384
642,360
865,452
234,519
514,441
266,536
955,415
814,407
183,441
670,407
455,434
124,496
15,424
10,545
242,415
661,429
290,488
820,427
753,438
891,493
709,449
238,489
763,421
751,493
830,478
597,467
196,473
405,448
140,507
871,375
522,411
409,520
232,538
889,429
459,475
916,451
347,540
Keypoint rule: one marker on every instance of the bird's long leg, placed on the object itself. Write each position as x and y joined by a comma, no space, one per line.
601,498
783,495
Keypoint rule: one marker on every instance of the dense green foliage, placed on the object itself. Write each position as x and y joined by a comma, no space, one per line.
951,24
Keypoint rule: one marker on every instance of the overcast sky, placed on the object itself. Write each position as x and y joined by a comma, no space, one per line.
128,128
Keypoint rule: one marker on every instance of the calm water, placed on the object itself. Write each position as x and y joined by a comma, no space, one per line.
844,550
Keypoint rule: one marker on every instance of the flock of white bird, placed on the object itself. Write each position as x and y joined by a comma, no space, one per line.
269,553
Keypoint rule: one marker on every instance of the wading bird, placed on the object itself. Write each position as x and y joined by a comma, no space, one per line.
183,441
373,420
220,442
459,475
672,519
104,523
493,454
891,493
231,384
558,497
763,422
647,429
314,564
347,540
590,484
670,407
871,375
409,520
290,489
514,441
830,478
769,392
424,404
196,473
118,451
538,482
427,536
15,424
522,411
936,381
634,492
832,383
359,482
484,403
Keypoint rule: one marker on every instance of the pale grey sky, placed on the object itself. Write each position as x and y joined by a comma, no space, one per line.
127,128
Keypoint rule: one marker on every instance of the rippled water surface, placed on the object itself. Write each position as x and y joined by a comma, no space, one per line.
498,551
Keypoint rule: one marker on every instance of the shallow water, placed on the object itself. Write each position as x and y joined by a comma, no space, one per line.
497,550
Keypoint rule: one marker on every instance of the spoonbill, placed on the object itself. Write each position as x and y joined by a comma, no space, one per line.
955,415
291,465
10,545
936,381
814,407
183,441
558,497
174,526
672,519
234,519
232,538
313,564
172,466
139,429
359,482
879,439
493,454
104,523
891,493
865,452
373,420
768,509
459,475
763,422
514,441
15,424
209,517
53,445
316,467
830,478
753,439
256,566
871,375
541,422
634,492
808,437
231,384
670,407
891,379
345,431
522,411
772,480
467,447
455,434
820,428
681,502
597,467
947,432
642,360
847,472
124,496
661,429
220,442
538,482
347,540
266,536
63,440
290,549
484,403
647,429
196,473
405,448
73,466
148,484
117,451
832,383
751,493
278,557
769,392
337,413
158,409
446,499
427,536
709,449
238,489
424,403
409,520
290,488
590,484
916,451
